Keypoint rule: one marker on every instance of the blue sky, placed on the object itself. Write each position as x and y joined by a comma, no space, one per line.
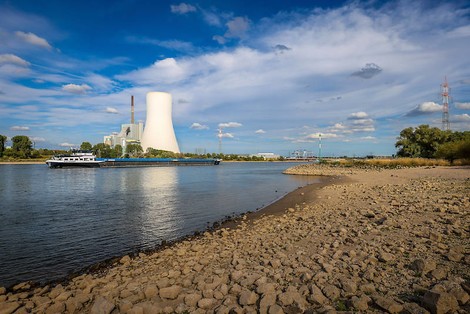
274,75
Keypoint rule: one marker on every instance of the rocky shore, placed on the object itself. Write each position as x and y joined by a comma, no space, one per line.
395,241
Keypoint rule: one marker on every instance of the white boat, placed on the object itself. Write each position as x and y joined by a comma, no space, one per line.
75,159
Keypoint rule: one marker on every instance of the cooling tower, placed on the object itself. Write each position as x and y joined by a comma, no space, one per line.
158,132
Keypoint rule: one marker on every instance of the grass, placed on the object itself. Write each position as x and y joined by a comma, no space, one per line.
391,163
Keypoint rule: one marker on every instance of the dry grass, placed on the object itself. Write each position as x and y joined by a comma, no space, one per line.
392,163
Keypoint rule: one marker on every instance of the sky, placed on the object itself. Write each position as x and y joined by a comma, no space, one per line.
274,76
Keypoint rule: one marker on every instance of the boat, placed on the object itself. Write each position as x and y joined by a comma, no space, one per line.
157,162
77,158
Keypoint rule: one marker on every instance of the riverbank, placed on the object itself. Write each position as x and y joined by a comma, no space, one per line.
370,241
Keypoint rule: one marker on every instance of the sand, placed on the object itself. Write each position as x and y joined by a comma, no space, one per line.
364,240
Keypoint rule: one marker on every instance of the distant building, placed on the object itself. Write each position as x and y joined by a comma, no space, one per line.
130,134
267,156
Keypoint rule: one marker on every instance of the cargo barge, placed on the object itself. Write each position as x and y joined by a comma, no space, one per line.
156,162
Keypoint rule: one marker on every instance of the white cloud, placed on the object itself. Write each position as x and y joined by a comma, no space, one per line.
182,8
198,126
368,138
463,105
111,110
67,145
369,71
225,135
76,89
358,115
230,125
260,131
33,39
322,135
461,118
13,59
425,108
19,128
237,27
37,139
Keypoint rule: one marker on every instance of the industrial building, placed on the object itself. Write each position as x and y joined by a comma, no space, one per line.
158,133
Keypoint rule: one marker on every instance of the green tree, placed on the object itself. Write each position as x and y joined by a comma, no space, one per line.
22,146
420,142
118,150
103,150
86,146
134,149
3,140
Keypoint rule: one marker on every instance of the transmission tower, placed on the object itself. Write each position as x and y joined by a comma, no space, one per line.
445,105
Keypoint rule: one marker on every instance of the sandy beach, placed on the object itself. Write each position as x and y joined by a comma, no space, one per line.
365,240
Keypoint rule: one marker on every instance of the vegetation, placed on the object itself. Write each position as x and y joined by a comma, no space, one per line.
427,142
3,140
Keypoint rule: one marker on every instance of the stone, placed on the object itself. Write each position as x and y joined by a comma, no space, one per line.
460,294
125,260
192,299
316,296
170,292
439,273
414,308
389,305
8,307
60,308
206,303
247,298
275,309
439,302
3,290
102,306
331,292
63,296
150,291
385,257
359,303
422,267
266,301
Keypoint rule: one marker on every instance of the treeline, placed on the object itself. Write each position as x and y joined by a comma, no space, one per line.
426,142
22,148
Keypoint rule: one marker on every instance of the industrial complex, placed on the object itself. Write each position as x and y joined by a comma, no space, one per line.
158,133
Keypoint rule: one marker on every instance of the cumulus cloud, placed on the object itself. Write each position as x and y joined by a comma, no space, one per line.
111,110
322,135
225,135
425,108
369,71
368,138
37,139
33,39
67,145
260,131
182,8
13,59
358,115
230,125
19,128
461,118
76,89
462,105
198,126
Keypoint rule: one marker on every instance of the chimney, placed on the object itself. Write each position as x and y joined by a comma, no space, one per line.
132,109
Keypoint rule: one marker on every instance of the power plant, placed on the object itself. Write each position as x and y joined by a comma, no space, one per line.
158,132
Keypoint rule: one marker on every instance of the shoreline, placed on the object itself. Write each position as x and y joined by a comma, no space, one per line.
387,241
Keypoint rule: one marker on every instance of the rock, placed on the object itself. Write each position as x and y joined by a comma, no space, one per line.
63,296
440,302
266,301
422,267
150,291
454,255
125,260
331,292
22,286
360,304
439,273
3,290
60,308
102,306
386,257
414,308
316,296
170,292
247,298
206,303
389,305
192,299
8,307
275,309
461,296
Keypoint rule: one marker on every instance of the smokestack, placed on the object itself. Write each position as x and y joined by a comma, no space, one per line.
132,109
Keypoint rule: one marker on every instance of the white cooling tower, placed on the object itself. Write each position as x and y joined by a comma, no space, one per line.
159,132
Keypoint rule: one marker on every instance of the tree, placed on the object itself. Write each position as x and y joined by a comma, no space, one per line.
118,150
86,146
102,150
22,146
134,149
3,140
420,142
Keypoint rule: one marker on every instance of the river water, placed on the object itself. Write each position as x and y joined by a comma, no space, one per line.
57,221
